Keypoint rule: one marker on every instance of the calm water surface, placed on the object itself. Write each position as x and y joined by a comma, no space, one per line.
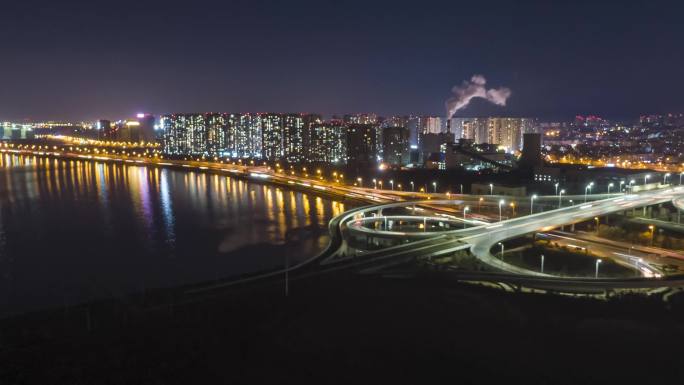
72,231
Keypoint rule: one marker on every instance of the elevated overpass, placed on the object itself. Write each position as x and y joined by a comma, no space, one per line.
679,203
480,238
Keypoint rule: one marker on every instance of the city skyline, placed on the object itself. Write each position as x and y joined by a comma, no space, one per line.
84,61
341,191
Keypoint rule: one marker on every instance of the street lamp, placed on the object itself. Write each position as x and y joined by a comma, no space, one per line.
434,187
598,262
597,224
380,183
665,178
465,210
392,184
412,189
560,197
610,185
491,189
461,188
502,250
652,228
646,179
622,182
501,203
588,188
532,198
360,180
375,183
556,188
542,263
479,204
631,186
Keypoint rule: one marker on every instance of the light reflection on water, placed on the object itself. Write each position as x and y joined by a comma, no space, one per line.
77,230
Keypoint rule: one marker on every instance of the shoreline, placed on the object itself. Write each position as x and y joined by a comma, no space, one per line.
252,174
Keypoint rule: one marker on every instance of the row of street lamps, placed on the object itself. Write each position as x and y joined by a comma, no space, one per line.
587,190
541,267
391,181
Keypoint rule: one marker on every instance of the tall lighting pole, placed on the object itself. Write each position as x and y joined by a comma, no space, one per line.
598,262
597,224
652,228
532,198
501,203
465,210
560,198
588,188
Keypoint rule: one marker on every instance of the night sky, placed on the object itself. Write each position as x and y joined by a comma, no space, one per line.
86,60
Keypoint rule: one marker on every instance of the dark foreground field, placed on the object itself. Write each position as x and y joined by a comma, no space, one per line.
348,328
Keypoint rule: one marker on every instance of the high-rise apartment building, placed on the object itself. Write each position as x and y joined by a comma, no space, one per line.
361,144
502,131
432,125
249,136
185,134
327,142
272,130
395,146
216,134
294,138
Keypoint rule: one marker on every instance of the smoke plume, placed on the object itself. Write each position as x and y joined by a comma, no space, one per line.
475,88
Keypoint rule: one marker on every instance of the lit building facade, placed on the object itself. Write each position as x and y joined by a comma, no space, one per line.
184,134
432,125
504,132
294,138
248,136
273,142
217,128
327,143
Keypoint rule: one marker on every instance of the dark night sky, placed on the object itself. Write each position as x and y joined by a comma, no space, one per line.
85,60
